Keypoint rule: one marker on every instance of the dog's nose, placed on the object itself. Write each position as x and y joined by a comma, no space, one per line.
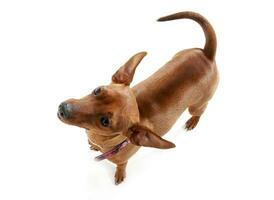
64,110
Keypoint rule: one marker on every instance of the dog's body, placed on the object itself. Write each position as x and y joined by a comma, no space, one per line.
189,80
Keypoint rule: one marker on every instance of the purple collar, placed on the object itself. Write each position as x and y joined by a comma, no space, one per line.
113,151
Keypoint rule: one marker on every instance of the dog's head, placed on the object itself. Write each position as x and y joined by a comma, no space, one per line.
111,110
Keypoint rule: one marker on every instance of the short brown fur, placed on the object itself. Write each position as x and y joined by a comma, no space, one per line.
147,111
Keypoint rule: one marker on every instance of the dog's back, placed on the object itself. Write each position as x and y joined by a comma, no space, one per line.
188,80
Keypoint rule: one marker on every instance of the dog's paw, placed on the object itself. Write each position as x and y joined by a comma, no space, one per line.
120,176
192,123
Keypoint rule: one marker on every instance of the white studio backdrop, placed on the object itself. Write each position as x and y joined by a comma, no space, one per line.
54,50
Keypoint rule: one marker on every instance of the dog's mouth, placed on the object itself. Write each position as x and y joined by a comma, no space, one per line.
113,151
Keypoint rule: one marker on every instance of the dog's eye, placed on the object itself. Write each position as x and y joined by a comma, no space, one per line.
97,91
104,121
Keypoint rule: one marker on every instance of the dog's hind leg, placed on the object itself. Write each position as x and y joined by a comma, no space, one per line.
196,112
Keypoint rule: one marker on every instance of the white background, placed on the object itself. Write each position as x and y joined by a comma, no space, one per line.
53,50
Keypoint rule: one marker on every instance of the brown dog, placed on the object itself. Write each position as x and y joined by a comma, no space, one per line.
119,119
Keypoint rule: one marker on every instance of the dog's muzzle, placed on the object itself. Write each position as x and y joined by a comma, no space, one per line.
64,110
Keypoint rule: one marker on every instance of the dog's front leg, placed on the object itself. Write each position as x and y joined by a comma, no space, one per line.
120,173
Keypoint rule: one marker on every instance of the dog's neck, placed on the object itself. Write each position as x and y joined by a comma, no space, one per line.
105,143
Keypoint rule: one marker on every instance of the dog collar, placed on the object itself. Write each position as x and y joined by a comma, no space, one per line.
113,151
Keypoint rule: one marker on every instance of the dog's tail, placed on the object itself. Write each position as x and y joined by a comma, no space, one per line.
211,40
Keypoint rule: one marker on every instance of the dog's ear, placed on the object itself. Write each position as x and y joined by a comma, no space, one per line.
125,74
143,136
